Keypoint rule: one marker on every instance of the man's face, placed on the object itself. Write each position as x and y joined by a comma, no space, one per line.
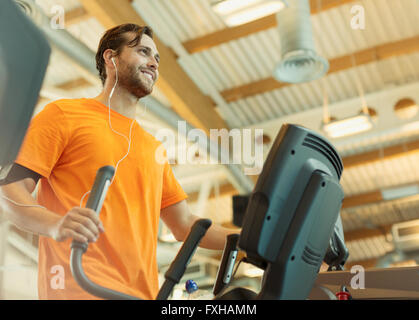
138,66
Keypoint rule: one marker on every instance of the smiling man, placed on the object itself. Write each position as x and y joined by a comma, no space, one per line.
65,145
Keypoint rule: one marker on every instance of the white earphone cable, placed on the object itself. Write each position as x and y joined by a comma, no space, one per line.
110,125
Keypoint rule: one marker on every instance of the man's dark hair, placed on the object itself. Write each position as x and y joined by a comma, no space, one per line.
115,39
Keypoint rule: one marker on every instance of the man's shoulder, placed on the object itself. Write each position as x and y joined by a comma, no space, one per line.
68,108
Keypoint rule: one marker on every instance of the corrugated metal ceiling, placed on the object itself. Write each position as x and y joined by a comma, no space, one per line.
253,58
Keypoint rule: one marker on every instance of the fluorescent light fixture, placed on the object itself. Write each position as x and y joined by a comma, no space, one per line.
400,192
348,126
250,14
237,12
230,6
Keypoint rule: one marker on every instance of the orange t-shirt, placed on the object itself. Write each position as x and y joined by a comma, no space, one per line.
66,143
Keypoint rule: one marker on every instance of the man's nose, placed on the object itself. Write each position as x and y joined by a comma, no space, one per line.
152,63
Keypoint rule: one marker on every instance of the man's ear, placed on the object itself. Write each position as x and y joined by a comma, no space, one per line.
108,54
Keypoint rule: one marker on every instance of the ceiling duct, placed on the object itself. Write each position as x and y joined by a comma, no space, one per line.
299,59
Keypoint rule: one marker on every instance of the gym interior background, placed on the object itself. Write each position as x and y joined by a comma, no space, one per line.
219,72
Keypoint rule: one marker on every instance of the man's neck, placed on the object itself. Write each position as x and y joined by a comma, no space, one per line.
121,101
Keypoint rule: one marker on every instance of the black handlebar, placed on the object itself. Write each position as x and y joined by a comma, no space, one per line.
87,284
178,266
173,275
100,188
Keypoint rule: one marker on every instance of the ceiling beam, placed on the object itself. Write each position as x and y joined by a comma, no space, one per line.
373,54
186,98
399,150
233,33
375,196
361,234
403,149
362,199
75,16
77,83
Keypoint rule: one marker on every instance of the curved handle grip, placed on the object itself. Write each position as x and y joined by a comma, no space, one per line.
95,202
97,196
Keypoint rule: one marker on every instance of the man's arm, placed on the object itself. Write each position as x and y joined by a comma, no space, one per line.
81,224
179,220
30,217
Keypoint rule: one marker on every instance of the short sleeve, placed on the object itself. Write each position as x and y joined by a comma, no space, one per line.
172,191
45,140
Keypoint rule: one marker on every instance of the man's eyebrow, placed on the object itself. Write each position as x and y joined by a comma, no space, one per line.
157,56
